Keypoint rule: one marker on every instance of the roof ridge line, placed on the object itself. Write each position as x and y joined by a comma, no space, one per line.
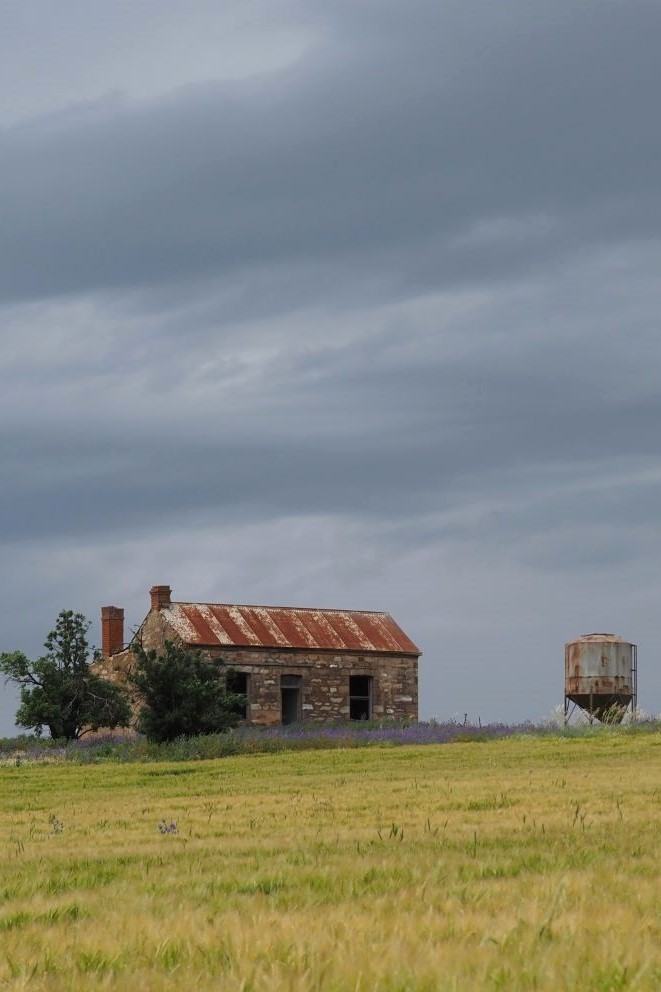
263,606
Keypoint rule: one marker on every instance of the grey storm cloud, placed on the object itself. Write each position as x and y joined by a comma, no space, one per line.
399,148
509,411
356,301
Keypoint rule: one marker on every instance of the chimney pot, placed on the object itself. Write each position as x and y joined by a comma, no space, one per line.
160,597
112,630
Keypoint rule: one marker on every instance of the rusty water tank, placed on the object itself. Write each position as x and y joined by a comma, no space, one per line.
601,676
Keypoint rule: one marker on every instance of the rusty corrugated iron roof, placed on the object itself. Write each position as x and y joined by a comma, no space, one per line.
282,627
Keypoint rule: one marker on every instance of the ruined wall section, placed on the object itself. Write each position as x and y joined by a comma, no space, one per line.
152,633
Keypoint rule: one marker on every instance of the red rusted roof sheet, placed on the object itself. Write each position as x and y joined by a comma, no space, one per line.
284,627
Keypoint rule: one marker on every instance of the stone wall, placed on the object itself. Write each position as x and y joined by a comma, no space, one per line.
325,682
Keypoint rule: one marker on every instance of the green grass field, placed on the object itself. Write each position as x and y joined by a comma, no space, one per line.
526,863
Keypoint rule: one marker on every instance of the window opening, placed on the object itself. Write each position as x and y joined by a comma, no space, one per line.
238,682
360,697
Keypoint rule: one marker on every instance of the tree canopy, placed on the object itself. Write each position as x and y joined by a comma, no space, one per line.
59,691
182,694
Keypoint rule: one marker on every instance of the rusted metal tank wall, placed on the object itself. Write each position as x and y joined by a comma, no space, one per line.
599,664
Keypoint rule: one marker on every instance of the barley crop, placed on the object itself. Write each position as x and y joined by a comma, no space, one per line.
521,863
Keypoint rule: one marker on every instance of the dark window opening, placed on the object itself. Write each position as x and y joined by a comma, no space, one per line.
360,697
238,682
290,696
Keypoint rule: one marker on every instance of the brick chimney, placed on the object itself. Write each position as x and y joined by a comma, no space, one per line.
160,597
112,630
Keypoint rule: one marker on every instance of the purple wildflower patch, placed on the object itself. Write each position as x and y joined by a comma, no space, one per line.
303,736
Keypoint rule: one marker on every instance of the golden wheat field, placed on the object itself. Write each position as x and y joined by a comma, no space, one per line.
525,863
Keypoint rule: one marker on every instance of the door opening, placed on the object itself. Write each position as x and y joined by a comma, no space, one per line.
290,694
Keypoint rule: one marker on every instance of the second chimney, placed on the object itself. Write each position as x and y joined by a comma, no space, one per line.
160,597
112,630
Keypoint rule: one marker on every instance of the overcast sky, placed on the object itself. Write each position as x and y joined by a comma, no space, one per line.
351,303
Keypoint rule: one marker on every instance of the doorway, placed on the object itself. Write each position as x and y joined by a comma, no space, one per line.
290,694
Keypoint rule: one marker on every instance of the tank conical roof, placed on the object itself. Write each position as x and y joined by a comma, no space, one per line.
599,638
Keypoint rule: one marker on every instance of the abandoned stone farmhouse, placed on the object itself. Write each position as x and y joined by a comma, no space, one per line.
292,664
